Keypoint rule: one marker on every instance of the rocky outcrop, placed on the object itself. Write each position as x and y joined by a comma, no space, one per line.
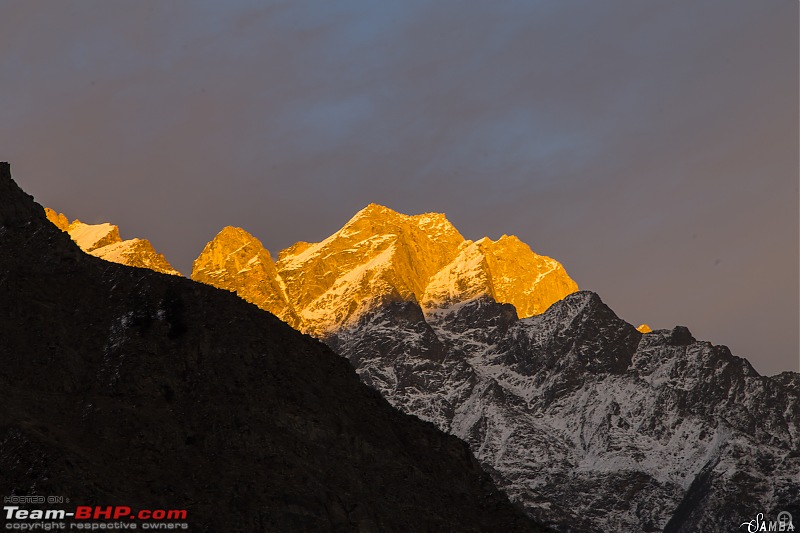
60,220
506,270
255,279
378,256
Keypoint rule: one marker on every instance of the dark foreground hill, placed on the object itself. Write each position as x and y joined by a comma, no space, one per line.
122,386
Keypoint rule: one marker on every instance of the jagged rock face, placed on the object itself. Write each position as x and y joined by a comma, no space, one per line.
507,271
136,253
588,423
378,256
256,279
124,386
91,237
382,256
103,241
59,219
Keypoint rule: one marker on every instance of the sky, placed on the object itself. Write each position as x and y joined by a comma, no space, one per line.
650,147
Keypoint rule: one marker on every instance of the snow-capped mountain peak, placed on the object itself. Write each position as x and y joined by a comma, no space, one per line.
381,255
103,241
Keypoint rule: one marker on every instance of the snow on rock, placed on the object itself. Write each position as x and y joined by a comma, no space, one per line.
236,261
103,241
506,270
589,424
381,255
92,236
135,252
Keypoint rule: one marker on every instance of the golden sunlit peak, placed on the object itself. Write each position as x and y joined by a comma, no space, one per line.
236,261
229,240
373,217
378,213
381,219
506,270
229,230
103,241
644,328
504,240
380,255
509,238
373,207
59,219
374,210
234,232
295,249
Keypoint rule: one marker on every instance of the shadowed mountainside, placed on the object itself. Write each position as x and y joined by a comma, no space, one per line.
590,424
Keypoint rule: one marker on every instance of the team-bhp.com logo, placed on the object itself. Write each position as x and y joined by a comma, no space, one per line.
783,522
87,517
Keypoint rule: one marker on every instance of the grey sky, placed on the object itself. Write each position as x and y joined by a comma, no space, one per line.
651,147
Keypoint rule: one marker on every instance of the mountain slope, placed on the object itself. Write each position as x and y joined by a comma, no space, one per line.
103,241
506,270
123,386
379,255
590,424
258,281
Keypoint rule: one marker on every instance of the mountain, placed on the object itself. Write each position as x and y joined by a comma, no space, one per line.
124,386
103,241
591,424
588,423
380,256
234,250
506,270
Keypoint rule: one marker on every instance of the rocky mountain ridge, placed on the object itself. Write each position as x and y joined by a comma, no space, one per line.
234,250
103,241
377,257
590,424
